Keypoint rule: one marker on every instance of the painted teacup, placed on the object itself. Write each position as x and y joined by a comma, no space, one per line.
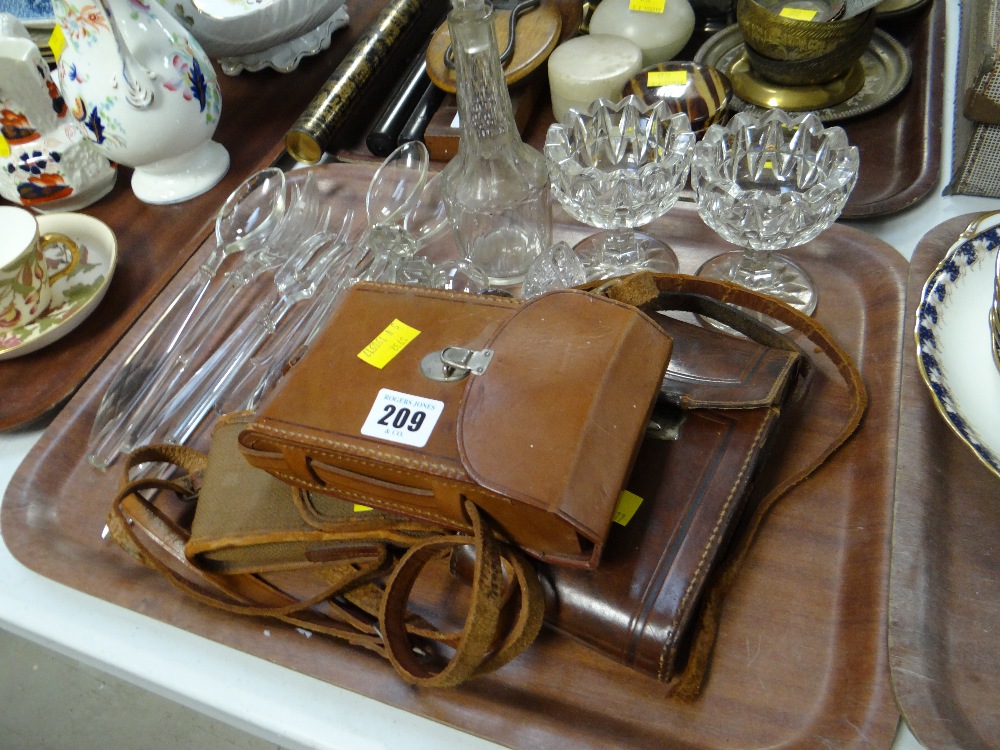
29,263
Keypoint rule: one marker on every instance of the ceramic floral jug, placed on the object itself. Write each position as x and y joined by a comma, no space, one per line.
144,92
46,163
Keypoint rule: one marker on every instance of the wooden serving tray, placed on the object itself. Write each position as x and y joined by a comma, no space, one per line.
944,594
154,242
801,659
900,143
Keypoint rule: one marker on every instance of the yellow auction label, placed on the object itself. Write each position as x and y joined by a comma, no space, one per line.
57,42
657,78
359,508
798,14
388,344
648,6
628,504
4,147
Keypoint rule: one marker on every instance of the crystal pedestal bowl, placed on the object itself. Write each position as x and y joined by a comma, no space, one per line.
618,166
769,181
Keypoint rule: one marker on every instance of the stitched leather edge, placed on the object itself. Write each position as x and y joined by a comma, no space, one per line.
669,651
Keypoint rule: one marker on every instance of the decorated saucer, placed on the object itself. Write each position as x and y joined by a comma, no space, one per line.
75,295
953,337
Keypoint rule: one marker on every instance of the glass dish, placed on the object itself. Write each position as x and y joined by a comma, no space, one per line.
770,181
618,166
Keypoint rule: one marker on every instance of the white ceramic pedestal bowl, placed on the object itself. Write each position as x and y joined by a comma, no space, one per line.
254,34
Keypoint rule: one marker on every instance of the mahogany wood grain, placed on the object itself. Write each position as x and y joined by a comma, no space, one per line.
944,594
801,659
900,143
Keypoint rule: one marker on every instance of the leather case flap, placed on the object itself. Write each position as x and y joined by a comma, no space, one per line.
322,402
556,420
734,374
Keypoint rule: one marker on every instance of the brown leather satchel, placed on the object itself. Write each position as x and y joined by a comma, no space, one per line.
690,488
656,601
416,401
689,513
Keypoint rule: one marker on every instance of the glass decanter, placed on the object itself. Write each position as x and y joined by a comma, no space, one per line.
496,188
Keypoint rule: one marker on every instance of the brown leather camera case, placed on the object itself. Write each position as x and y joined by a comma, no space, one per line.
722,400
542,441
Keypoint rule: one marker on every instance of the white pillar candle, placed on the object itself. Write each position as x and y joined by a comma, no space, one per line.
661,31
589,67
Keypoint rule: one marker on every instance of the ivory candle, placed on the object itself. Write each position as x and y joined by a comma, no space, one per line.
660,28
589,67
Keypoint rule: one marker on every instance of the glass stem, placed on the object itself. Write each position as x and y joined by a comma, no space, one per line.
755,268
620,246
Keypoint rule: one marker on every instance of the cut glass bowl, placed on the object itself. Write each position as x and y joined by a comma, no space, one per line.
619,166
769,181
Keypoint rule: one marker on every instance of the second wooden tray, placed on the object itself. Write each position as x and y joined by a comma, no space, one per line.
944,596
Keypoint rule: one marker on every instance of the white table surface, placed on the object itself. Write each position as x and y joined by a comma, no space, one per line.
276,703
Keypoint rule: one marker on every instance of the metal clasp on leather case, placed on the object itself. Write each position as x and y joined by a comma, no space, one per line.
455,362
665,421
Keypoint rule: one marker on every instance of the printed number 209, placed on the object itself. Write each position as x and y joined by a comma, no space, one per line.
402,417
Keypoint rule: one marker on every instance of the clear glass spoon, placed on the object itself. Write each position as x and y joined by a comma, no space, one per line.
246,220
305,272
265,368
302,219
397,184
401,219
230,303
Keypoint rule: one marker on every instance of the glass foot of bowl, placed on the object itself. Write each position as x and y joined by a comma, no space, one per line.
782,279
604,261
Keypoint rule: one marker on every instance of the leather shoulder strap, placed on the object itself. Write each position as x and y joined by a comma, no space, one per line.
506,602
654,292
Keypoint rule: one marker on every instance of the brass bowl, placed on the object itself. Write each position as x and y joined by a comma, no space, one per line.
785,38
754,89
815,70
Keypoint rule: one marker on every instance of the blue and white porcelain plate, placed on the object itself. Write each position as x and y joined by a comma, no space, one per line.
30,12
954,341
